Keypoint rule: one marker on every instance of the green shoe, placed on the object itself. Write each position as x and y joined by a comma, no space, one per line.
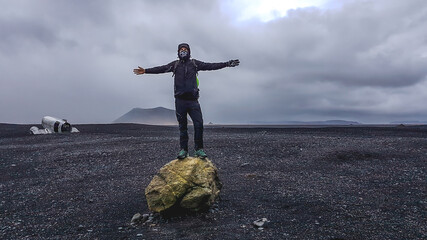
200,154
182,154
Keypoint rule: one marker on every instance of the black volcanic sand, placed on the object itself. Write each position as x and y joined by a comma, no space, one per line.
310,183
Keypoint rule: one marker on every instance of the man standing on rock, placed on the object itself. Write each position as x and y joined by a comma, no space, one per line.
187,94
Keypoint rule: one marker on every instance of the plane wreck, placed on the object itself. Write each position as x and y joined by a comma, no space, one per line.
53,125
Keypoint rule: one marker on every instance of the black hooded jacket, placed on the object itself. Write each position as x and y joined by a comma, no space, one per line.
185,75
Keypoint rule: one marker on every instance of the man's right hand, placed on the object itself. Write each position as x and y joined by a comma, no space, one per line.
139,70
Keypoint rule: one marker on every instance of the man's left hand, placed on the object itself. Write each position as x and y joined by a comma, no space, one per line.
233,63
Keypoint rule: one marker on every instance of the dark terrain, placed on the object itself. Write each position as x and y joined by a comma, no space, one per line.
310,183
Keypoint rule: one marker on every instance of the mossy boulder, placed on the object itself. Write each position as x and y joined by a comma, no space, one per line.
191,184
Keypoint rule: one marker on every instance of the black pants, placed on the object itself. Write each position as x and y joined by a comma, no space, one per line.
192,108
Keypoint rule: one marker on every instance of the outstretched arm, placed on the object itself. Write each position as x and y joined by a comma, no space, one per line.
160,69
203,66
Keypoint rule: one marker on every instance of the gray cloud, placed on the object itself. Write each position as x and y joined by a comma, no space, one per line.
363,61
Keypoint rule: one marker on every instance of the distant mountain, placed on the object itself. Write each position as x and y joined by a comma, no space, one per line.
328,122
151,116
409,122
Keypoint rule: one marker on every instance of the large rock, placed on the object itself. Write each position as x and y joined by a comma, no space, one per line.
191,184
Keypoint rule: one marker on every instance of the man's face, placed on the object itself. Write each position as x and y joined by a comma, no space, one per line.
183,53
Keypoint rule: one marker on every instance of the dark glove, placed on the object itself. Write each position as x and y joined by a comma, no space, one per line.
233,63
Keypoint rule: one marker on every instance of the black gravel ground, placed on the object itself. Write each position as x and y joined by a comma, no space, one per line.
310,183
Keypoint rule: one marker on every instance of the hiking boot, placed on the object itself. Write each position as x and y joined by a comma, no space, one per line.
200,154
182,154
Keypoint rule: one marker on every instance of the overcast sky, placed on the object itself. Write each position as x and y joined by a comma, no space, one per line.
357,60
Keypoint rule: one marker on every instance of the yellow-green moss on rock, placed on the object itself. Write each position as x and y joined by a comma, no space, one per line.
191,183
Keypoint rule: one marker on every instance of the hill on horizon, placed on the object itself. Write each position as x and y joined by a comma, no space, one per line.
151,116
327,122
165,116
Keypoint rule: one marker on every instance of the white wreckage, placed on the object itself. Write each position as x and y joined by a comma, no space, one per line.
53,125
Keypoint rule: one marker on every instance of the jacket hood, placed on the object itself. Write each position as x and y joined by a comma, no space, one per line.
186,46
